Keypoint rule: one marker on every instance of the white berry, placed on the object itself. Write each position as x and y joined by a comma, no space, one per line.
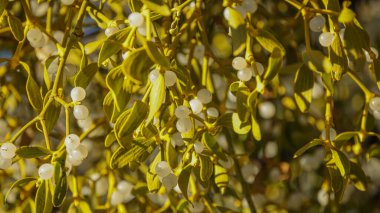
326,39
153,75
5,163
8,150
259,67
267,110
204,96
212,112
332,134
374,103
163,169
170,78
182,112
67,2
196,105
78,94
170,181
376,114
83,150
198,147
227,14
46,171
136,19
317,23
72,141
244,74
197,207
116,198
271,149
124,187
75,156
80,112
250,6
239,63
184,125
176,139
34,35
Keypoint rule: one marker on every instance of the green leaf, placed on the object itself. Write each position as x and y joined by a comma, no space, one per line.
336,180
341,161
327,82
183,180
19,183
376,69
338,58
268,41
358,177
207,167
235,19
60,189
115,82
160,9
110,139
241,102
210,142
84,76
221,178
32,89
156,97
346,15
123,157
315,142
238,126
303,88
113,45
137,66
274,64
171,155
52,112
155,55
3,5
43,198
152,179
344,137
90,47
256,131
32,151
126,125
83,207
317,61
238,36
16,27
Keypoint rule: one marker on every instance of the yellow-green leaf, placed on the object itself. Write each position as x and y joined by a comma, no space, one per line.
32,89
183,180
19,183
16,27
341,161
317,61
33,151
238,126
60,189
126,125
268,41
84,76
235,19
206,167
274,64
346,15
221,178
113,45
256,131
313,143
303,88
338,58
358,177
43,198
156,97
155,55
137,66
152,179
160,9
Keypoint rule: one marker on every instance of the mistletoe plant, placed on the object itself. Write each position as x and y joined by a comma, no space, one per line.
186,106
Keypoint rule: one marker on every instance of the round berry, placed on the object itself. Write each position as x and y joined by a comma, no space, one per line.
80,112
170,181
317,23
136,19
72,141
212,112
8,150
83,150
176,139
196,105
111,30
376,114
374,103
67,2
244,74
153,75
142,30
184,125
226,13
85,124
75,155
204,96
124,187
250,6
78,94
332,134
163,169
170,78
239,63
197,207
259,67
116,198
101,186
267,110
46,171
198,147
326,39
5,163
182,112
38,44
34,35
271,149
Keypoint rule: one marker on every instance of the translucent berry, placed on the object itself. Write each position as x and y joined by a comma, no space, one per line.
239,63
124,187
250,5
111,30
116,198
80,112
184,125
196,105
323,197
83,150
46,171
170,181
67,2
198,147
75,155
317,23
271,149
136,19
182,112
259,67
101,186
5,163
8,150
332,134
326,39
244,74
142,30
38,44
227,164
212,112
153,75
170,78
267,110
34,35
72,141
374,103
197,207
176,139
204,96
376,114
163,169
78,94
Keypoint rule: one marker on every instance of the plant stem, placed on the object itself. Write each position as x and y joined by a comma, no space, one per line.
19,132
46,134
